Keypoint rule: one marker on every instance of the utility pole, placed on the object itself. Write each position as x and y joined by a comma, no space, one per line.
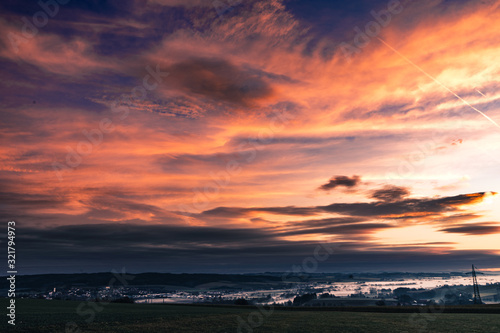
477,296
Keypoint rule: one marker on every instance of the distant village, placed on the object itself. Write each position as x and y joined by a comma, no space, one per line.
308,294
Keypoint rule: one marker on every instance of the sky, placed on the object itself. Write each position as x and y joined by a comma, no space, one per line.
238,136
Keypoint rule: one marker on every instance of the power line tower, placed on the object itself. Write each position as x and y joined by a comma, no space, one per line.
477,296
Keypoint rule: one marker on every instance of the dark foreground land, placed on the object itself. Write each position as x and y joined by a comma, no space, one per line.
62,316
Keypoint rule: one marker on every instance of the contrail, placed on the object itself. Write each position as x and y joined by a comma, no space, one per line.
438,82
481,93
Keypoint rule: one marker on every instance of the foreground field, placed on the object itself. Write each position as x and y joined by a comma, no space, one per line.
62,316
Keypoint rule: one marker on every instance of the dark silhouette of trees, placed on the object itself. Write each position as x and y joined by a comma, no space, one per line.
241,301
125,299
299,300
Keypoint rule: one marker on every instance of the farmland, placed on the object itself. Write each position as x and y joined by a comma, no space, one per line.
69,316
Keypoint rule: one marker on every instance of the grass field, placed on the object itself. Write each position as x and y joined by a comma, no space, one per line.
62,316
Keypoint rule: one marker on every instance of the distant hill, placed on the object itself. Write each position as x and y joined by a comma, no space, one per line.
206,281
47,281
